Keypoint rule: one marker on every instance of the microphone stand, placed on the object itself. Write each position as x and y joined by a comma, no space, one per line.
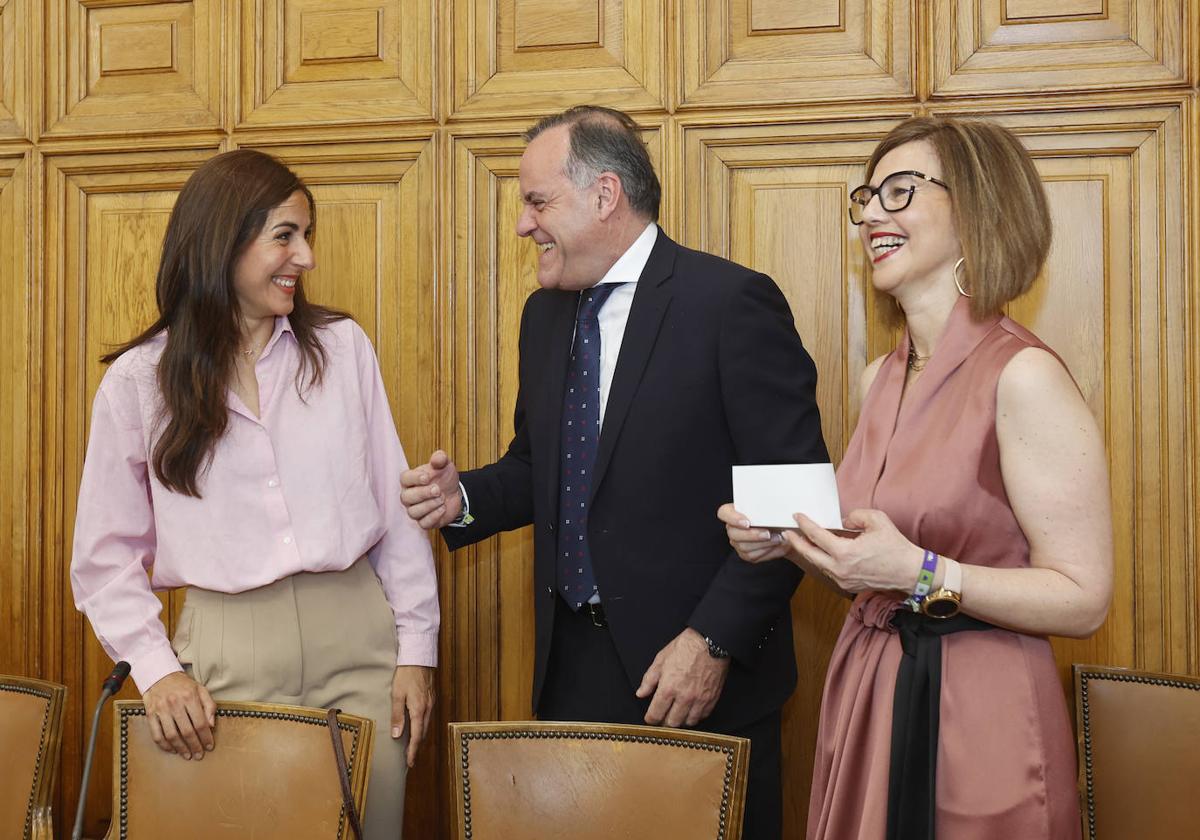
111,686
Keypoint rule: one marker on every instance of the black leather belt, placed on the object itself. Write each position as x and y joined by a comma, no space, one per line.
596,613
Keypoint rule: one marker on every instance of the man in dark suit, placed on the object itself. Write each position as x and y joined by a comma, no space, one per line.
646,371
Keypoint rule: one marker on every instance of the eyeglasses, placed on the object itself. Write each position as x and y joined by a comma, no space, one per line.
895,193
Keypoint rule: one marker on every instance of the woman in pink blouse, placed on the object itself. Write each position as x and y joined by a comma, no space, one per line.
243,446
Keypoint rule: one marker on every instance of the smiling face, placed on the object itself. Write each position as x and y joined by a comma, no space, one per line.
564,220
918,246
267,272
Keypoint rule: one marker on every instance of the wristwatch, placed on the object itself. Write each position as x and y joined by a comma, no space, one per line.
715,650
946,601
464,517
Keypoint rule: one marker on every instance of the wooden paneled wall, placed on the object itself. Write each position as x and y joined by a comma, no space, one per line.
405,117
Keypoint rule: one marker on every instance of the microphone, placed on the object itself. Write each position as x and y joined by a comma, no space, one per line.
117,678
110,687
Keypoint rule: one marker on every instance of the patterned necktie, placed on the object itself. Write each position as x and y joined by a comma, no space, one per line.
580,435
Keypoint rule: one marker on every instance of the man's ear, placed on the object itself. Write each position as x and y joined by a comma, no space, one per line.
608,194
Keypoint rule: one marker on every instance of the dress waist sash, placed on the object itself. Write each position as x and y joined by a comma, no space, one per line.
915,710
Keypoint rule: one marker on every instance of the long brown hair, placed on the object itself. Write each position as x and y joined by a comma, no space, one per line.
997,200
222,207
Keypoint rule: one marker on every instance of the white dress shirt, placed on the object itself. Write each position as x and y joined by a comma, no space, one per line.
614,314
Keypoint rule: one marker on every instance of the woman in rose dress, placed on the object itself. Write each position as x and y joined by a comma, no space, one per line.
977,479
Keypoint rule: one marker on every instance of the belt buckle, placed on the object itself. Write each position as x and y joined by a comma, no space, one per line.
596,613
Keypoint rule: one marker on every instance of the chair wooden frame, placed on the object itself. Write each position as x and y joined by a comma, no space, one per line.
358,756
1083,675
736,750
39,817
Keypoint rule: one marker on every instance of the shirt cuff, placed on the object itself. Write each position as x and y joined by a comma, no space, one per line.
464,517
151,667
417,649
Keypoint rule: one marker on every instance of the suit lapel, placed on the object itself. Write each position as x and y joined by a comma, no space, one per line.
562,325
650,302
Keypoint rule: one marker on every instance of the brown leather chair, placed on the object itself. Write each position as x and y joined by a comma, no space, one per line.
272,774
31,721
586,781
1139,753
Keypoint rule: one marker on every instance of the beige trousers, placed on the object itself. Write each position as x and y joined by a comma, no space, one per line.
313,639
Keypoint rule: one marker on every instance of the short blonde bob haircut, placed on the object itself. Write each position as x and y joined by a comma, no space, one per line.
997,200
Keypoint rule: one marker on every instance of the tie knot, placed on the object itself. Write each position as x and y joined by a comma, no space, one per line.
592,299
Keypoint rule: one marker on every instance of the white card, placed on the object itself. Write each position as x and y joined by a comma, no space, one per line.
769,494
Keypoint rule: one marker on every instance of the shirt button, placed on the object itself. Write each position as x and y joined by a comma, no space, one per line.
287,540
273,483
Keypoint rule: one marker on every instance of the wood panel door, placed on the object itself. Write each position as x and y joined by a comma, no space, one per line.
105,215
20,574
405,116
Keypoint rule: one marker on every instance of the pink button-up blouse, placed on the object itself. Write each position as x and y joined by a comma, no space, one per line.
310,486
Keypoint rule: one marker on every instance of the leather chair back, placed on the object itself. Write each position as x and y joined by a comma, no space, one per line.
31,721
272,774
1139,753
544,781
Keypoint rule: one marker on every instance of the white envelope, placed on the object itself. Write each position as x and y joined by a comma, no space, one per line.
768,494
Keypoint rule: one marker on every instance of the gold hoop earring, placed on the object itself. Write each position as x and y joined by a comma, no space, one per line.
958,282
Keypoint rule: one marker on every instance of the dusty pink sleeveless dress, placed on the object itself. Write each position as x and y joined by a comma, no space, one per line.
1006,757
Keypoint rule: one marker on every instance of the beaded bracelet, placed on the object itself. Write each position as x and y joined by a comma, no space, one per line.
924,581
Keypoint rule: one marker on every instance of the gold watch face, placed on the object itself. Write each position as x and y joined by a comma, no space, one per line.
941,604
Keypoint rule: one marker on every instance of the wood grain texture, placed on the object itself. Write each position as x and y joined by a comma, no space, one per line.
15,67
1191,351
505,65
405,115
1135,44
133,68
759,52
20,576
332,62
558,23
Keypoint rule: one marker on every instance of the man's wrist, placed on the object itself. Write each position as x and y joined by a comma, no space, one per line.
464,517
714,649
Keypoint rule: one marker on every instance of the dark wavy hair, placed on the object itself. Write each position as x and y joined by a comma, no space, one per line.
222,207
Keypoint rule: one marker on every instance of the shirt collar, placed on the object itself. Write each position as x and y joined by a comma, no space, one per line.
282,325
628,268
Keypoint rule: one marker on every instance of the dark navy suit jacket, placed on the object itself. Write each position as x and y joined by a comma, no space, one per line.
711,373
